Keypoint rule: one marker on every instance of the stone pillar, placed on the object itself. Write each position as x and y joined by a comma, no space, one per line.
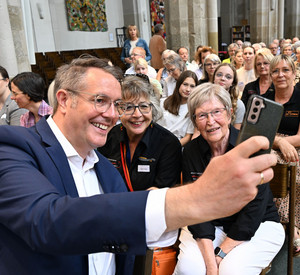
263,18
18,33
212,23
197,24
280,19
292,20
176,13
8,57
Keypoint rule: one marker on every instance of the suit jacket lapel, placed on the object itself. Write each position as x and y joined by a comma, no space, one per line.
58,156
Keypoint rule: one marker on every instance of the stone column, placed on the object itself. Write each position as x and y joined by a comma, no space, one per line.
280,19
263,21
212,23
8,57
292,20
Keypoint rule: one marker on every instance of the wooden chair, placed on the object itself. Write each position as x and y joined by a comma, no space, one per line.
284,183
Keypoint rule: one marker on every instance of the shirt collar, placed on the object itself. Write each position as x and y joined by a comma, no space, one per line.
68,148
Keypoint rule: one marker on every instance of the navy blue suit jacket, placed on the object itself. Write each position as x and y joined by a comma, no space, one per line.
45,228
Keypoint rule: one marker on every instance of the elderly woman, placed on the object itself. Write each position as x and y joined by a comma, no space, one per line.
263,83
287,140
28,90
225,76
141,67
146,154
245,242
175,66
175,116
132,41
10,113
210,63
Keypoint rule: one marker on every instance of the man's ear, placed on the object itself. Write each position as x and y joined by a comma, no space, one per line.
63,99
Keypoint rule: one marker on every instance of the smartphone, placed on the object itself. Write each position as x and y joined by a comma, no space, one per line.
262,118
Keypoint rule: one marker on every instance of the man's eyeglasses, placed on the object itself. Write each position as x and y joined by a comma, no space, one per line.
144,108
136,54
102,102
227,76
216,114
209,65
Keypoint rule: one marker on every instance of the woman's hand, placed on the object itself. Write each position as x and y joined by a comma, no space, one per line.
288,151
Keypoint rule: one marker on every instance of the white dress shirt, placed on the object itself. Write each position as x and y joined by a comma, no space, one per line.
87,184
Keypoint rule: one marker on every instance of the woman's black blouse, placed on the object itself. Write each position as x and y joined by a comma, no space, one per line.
242,225
156,161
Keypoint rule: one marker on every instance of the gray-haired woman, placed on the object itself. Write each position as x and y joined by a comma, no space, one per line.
146,154
245,242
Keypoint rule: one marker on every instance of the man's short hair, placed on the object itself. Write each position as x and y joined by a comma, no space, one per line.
158,28
73,76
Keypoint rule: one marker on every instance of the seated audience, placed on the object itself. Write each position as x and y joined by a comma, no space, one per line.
231,50
225,76
175,115
137,53
28,90
175,66
210,63
246,242
205,51
133,40
10,112
184,54
141,67
146,154
263,83
238,60
246,73
287,141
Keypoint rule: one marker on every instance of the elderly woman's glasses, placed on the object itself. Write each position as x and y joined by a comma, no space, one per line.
102,102
216,114
129,108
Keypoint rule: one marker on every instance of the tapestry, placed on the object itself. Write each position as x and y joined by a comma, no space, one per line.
157,10
86,15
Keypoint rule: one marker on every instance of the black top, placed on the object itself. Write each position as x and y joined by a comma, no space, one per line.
252,88
242,225
290,120
156,160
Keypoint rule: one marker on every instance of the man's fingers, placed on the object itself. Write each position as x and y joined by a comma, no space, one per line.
251,146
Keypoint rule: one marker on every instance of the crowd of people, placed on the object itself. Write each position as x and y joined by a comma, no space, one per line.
70,174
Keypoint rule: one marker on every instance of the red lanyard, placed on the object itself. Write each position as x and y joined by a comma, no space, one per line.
124,166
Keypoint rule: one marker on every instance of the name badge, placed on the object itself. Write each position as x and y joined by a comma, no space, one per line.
143,168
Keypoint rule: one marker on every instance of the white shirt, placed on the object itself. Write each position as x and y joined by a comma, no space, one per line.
244,77
151,71
169,86
191,67
179,125
87,184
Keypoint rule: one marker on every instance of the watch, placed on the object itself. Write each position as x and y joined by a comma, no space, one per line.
219,252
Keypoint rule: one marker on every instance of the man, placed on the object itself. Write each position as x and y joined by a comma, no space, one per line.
137,53
184,54
246,74
57,195
256,46
240,43
273,48
157,45
231,51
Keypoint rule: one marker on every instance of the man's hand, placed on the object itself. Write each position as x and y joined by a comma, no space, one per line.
227,185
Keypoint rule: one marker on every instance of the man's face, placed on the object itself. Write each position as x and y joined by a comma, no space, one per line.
231,51
136,54
84,126
184,54
273,48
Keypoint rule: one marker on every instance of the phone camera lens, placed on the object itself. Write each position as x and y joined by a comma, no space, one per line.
255,110
253,117
257,103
